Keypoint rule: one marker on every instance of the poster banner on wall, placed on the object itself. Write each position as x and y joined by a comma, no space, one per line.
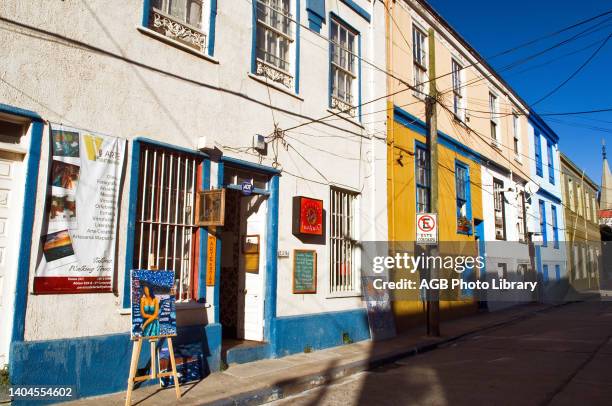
79,240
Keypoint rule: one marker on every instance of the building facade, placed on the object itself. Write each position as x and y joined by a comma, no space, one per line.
483,150
283,96
582,235
546,221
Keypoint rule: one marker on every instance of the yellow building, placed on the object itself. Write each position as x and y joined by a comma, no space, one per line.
482,130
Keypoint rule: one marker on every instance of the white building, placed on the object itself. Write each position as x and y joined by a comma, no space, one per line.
170,80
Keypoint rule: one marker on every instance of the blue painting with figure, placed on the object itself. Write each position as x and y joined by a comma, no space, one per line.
153,304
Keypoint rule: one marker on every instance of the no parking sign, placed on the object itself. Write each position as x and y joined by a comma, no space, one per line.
426,228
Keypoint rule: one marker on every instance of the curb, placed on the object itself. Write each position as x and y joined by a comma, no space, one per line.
295,386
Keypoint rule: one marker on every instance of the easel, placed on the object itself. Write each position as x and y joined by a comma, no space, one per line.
155,372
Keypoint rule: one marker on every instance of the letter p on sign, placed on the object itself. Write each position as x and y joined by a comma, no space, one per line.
426,228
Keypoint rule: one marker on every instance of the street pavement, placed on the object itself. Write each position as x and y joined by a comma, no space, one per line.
562,356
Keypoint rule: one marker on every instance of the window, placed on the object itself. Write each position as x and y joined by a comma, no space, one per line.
583,262
500,211
421,163
493,108
274,32
502,271
594,208
570,193
520,223
342,235
343,67
587,201
515,131
419,58
579,199
558,272
462,187
555,226
185,21
551,166
545,273
458,107
165,217
538,153
543,222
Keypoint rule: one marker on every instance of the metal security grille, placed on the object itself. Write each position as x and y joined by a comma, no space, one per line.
342,241
165,227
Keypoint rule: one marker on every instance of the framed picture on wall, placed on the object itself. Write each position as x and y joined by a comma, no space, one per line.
210,208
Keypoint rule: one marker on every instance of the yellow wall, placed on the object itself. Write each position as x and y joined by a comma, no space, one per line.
402,212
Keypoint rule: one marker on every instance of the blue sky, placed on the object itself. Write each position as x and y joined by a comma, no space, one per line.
491,27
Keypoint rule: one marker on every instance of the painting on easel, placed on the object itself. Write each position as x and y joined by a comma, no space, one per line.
153,304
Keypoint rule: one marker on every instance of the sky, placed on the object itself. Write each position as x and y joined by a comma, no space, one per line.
494,26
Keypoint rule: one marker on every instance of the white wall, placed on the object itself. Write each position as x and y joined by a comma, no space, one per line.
135,85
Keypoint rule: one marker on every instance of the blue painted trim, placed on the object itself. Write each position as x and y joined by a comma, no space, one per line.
271,264
419,145
205,185
316,14
217,289
551,163
545,275
242,355
131,228
537,121
255,190
5,108
27,222
358,9
170,146
557,272
537,145
298,29
555,226
468,196
538,259
146,9
359,77
548,195
68,362
248,165
417,125
254,38
482,248
320,330
543,222
329,68
212,27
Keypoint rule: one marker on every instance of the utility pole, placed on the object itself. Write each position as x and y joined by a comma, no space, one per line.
433,297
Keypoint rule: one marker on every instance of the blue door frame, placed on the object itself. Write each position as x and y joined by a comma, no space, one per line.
270,284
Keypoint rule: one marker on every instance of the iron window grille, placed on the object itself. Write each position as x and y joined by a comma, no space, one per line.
343,269
165,228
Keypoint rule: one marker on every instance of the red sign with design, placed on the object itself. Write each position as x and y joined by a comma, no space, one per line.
311,216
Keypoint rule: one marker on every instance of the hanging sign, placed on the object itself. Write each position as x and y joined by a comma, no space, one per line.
211,260
82,203
247,188
308,216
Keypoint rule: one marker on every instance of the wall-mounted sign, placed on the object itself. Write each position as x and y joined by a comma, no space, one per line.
304,271
427,228
307,216
211,260
210,207
250,252
247,188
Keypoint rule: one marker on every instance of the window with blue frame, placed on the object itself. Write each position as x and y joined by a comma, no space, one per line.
462,189
537,143
343,70
551,165
555,227
423,183
558,272
188,22
275,54
543,222
545,273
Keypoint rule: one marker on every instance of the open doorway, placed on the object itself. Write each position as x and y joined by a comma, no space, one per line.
243,263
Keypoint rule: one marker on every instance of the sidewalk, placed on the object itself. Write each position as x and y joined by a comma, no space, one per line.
266,380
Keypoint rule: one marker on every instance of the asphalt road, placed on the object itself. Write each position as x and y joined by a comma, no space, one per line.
559,357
